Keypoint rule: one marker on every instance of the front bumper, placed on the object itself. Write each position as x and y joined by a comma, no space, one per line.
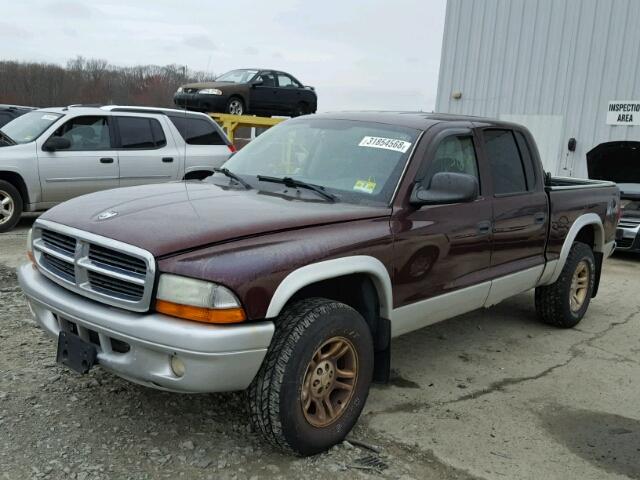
204,103
627,235
216,358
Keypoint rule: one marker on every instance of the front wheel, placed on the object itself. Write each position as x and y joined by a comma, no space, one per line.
315,378
10,206
565,302
235,106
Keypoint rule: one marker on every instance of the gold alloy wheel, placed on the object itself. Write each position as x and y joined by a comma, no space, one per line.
329,381
579,286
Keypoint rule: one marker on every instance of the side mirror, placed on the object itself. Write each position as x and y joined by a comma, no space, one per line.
256,83
446,188
56,143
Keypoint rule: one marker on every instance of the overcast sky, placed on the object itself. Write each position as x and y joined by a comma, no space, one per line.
358,54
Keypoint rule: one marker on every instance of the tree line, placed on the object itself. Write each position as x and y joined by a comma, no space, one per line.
92,81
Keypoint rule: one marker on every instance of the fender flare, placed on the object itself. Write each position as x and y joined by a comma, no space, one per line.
552,272
328,269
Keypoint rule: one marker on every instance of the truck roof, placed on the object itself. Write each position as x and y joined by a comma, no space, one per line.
417,120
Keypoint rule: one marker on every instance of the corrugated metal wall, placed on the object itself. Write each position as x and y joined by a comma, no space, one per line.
522,59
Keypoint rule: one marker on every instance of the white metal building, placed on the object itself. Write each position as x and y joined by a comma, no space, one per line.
564,68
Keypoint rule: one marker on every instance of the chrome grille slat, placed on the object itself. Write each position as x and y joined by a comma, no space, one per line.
99,268
65,268
61,242
111,285
117,260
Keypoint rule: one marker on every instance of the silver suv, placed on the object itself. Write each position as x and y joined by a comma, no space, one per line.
50,155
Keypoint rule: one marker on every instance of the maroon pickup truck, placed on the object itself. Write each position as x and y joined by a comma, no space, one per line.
288,272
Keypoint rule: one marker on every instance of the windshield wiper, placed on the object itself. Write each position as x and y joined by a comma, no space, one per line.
7,139
293,183
233,176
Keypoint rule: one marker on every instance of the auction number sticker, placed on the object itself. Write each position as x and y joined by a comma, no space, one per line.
365,186
385,143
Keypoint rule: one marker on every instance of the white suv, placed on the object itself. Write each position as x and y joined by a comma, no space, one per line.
50,155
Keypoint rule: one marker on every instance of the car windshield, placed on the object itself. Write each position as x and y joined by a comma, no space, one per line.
237,76
29,126
357,161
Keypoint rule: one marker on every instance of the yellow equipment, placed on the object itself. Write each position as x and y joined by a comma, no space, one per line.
231,122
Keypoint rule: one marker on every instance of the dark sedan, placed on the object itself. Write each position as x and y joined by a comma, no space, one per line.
249,91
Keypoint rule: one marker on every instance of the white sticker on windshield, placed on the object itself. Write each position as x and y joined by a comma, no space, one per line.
385,143
49,117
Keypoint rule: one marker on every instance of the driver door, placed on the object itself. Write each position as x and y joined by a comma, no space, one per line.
441,250
88,165
264,96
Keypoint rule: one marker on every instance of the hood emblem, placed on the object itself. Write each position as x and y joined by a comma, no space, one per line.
107,215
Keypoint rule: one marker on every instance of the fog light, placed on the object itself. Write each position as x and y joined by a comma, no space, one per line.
177,366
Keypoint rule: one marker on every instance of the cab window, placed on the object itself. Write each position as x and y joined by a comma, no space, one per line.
455,154
86,133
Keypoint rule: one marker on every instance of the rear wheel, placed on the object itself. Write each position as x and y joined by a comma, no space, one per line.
315,378
565,302
235,106
10,206
300,109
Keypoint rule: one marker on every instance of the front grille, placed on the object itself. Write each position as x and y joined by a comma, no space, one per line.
114,287
61,267
57,241
119,260
624,242
93,266
629,222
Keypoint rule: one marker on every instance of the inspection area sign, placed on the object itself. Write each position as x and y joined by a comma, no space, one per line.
623,113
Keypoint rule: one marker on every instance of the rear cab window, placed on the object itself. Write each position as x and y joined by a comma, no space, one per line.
197,131
506,162
140,133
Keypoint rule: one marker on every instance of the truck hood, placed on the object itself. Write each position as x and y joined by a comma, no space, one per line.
174,217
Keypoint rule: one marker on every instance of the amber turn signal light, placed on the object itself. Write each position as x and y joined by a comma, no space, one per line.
201,314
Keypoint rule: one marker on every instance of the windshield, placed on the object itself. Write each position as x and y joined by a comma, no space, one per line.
29,126
359,162
237,76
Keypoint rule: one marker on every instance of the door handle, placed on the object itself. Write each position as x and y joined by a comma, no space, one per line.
106,160
539,218
484,227
167,159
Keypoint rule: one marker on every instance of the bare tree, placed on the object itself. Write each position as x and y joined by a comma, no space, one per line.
92,80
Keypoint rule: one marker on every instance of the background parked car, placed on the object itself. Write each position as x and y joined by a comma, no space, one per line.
9,112
54,154
253,91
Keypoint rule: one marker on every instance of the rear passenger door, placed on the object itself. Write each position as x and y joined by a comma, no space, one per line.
289,93
206,148
519,204
147,154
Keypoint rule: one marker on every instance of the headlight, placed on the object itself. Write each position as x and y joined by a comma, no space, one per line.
210,91
29,247
197,300
179,90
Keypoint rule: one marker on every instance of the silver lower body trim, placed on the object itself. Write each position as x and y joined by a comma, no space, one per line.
216,358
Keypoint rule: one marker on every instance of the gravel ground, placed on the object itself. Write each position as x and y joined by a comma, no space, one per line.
492,394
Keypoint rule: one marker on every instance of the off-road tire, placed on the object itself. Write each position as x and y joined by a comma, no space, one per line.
553,304
8,191
274,395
